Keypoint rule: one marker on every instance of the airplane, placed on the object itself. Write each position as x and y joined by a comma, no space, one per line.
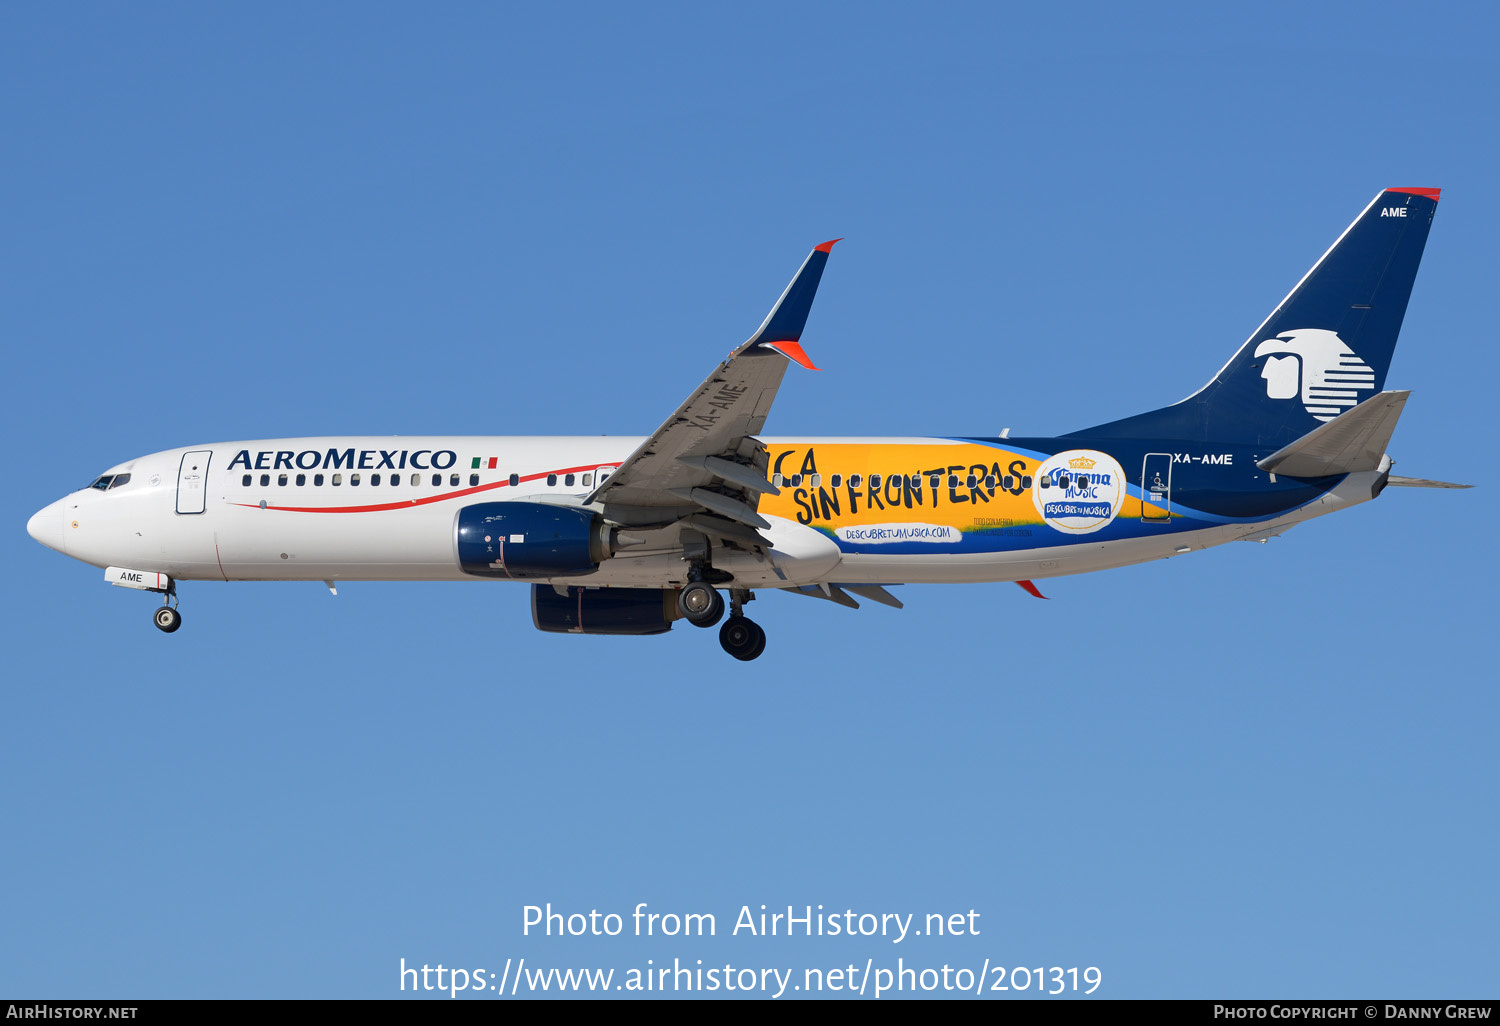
626,536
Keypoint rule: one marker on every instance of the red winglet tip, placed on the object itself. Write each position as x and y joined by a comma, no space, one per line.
827,247
794,352
1431,194
1032,588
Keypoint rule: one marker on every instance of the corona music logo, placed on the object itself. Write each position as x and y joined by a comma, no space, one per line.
1079,491
1319,369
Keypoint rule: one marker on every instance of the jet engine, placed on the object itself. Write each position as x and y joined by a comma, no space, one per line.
603,610
527,540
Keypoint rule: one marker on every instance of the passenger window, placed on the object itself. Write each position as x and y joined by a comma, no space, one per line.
515,479
473,480
838,480
437,480
952,480
855,480
568,481
551,480
777,480
318,480
301,480
971,481
937,481
588,480
452,480
395,480
245,481
989,481
281,480
265,479
354,480
1064,481
338,479
416,479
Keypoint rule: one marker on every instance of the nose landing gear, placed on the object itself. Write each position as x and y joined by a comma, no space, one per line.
166,617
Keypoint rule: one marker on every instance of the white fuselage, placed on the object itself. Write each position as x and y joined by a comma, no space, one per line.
328,509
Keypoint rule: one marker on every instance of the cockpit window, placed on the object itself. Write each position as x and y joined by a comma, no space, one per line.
103,482
109,481
120,479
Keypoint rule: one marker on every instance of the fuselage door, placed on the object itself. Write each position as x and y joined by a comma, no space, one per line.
192,481
1156,487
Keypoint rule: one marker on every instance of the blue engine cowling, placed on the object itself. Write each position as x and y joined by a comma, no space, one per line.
527,540
603,610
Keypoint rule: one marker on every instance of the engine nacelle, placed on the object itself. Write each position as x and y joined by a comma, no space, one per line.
603,610
527,540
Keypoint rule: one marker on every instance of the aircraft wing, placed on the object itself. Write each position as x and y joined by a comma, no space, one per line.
705,458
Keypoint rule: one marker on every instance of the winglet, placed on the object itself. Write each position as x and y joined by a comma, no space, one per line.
782,328
1032,588
827,247
792,351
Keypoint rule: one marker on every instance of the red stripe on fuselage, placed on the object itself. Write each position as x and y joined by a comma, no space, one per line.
409,503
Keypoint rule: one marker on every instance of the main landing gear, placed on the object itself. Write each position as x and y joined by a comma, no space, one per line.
166,617
741,636
702,606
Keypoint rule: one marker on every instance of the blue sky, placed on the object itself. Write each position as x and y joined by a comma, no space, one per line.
1262,771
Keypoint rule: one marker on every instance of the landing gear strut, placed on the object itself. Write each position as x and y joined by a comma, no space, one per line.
741,636
166,617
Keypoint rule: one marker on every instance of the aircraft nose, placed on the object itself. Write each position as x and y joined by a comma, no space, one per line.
46,526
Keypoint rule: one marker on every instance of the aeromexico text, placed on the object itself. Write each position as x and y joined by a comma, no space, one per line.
345,459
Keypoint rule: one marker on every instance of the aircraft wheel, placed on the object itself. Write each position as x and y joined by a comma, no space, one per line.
167,619
742,638
760,643
700,604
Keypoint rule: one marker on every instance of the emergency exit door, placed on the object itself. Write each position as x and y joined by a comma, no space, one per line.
192,482
1156,487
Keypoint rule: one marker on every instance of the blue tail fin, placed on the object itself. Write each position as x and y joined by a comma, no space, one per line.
1326,348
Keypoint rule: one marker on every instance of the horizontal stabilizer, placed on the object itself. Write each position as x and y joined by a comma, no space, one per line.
1353,441
1422,482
